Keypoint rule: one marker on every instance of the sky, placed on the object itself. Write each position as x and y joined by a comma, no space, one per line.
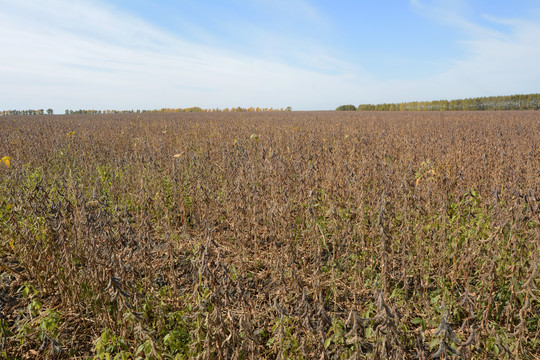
307,54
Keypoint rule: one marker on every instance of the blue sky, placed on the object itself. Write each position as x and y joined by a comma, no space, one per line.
311,55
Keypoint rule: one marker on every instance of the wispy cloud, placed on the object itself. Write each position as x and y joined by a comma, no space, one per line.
88,54
78,54
451,13
497,61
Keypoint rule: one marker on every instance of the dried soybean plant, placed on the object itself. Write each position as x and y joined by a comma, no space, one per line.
270,235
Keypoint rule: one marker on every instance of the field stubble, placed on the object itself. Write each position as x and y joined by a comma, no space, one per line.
329,235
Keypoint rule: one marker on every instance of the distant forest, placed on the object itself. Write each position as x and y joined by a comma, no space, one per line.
510,102
163,110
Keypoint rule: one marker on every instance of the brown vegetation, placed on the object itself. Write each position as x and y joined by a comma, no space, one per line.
317,235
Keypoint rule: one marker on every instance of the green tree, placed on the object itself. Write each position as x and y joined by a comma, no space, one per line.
346,108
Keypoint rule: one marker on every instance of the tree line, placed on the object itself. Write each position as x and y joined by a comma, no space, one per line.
162,110
508,102
174,110
26,112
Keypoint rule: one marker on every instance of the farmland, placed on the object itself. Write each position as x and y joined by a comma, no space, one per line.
293,235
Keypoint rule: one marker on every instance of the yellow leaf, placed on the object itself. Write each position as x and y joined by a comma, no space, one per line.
12,244
6,160
70,134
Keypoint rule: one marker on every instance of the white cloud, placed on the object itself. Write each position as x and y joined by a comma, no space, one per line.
497,62
451,13
81,54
